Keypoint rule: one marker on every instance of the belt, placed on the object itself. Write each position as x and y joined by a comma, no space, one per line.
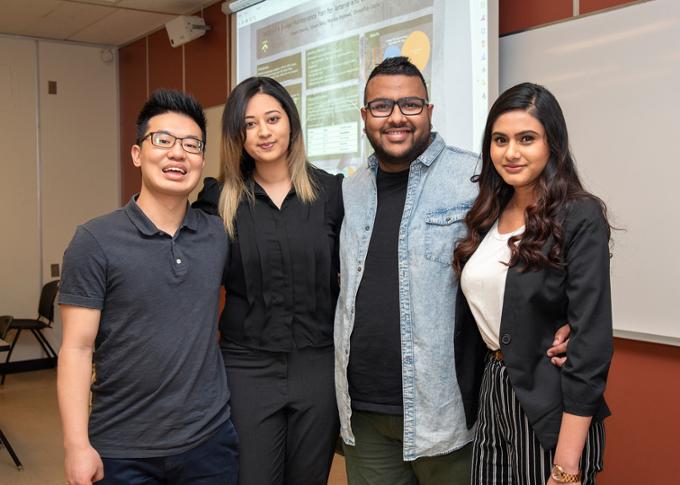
498,355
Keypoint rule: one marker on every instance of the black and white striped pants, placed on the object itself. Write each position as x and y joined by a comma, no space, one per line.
506,450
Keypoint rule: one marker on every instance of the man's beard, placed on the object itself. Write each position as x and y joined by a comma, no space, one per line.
419,146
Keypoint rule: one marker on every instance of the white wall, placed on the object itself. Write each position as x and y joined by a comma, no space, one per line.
617,77
73,176
19,240
213,117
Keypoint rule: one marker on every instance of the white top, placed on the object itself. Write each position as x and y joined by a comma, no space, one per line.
483,283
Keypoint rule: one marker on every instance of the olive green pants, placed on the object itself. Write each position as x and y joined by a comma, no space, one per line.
377,458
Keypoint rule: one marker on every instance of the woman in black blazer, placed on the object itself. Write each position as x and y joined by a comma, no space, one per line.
536,255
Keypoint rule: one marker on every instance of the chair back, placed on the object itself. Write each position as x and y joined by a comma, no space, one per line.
47,297
5,322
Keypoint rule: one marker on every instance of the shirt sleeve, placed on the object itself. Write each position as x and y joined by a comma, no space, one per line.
209,197
339,203
83,281
589,311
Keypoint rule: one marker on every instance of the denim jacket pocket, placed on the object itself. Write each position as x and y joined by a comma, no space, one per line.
443,227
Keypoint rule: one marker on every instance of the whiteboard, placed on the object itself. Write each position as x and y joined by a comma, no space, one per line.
617,77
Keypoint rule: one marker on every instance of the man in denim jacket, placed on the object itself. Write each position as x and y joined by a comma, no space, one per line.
402,419
401,414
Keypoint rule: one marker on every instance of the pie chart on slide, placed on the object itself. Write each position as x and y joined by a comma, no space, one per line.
417,48
391,51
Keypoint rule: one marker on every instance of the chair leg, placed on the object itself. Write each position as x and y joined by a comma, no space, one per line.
11,349
10,450
44,343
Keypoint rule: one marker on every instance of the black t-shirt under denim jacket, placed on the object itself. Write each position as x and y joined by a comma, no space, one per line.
281,279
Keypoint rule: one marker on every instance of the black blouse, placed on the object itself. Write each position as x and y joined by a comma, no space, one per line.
281,279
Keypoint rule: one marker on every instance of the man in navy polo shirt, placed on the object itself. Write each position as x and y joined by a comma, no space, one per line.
139,298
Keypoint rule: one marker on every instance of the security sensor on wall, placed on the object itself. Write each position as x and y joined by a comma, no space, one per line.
184,29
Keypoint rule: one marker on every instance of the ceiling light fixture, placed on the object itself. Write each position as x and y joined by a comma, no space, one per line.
237,5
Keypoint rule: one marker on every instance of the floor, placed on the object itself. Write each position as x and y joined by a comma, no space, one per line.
30,420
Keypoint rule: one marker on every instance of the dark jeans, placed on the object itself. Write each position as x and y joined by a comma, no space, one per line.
284,410
213,462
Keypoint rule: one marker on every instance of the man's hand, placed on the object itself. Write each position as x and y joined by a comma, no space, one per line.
558,351
83,466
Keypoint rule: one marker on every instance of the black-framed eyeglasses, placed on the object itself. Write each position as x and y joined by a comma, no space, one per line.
162,139
409,106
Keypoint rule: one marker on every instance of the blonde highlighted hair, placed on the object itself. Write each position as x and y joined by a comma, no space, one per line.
237,164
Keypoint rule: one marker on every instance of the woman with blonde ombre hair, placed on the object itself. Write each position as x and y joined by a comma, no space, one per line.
283,217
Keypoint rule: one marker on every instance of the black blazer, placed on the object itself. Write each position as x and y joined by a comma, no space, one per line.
535,305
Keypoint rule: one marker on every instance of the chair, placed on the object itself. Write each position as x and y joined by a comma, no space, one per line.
37,325
5,322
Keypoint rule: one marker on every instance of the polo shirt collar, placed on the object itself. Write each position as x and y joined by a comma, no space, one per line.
426,158
148,228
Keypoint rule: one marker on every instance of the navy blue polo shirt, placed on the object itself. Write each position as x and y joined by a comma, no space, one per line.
160,386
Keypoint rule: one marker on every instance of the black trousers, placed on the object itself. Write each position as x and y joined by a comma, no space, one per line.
284,410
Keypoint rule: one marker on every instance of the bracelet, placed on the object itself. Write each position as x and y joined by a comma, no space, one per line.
560,476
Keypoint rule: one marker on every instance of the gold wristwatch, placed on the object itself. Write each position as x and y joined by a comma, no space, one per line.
560,476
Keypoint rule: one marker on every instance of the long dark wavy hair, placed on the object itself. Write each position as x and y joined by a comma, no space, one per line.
555,187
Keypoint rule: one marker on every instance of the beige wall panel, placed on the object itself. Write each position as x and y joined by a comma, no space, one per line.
20,240
212,148
79,144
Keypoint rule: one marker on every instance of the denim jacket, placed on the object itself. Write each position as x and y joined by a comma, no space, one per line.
438,195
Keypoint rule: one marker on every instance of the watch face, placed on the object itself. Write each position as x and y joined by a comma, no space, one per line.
558,474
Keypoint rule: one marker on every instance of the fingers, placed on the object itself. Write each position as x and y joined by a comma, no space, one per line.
99,474
558,361
562,334
560,342
558,349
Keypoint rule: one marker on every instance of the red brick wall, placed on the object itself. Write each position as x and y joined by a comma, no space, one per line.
200,67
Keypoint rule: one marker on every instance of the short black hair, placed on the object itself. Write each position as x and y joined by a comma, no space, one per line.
393,66
170,101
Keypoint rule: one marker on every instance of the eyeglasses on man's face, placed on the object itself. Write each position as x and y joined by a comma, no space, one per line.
162,139
409,106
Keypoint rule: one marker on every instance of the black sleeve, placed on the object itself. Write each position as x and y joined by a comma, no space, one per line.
589,311
339,204
209,196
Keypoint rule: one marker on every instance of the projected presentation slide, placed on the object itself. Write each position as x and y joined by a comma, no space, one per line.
322,51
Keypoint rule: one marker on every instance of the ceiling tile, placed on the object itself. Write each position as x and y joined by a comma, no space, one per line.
18,15
174,7
67,19
112,22
121,27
